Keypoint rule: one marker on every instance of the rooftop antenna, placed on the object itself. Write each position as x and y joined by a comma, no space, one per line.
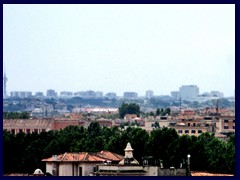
4,82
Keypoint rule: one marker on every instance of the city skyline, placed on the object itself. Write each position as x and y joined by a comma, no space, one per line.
119,48
65,93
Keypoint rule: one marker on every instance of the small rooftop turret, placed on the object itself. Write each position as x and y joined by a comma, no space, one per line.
128,158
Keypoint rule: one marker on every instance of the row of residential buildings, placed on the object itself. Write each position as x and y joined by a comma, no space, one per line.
186,123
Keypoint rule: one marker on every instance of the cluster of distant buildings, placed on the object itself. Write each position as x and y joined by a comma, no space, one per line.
185,122
191,92
186,92
63,94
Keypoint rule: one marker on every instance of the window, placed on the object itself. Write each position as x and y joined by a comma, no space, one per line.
43,130
233,127
193,131
226,120
225,127
20,130
180,131
35,130
189,124
194,124
186,131
233,120
199,131
28,131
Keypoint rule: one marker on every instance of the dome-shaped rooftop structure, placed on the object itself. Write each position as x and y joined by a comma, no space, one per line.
38,172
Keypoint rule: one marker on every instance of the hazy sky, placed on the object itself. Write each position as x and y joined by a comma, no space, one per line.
117,48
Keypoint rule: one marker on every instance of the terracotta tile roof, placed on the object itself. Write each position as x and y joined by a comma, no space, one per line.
111,156
27,123
86,157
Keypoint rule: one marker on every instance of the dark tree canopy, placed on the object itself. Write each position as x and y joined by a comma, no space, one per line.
131,108
22,153
16,115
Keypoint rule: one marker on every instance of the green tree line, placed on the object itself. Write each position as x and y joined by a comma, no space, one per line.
16,115
130,108
22,153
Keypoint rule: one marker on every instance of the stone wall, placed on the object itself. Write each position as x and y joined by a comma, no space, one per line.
157,171
172,172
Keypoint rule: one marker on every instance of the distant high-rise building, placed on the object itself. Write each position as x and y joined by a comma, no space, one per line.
66,94
149,94
14,94
21,94
39,94
51,93
111,95
175,94
99,94
27,94
80,94
4,84
90,94
189,92
130,95
216,94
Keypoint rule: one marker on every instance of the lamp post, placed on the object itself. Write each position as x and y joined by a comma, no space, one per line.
188,165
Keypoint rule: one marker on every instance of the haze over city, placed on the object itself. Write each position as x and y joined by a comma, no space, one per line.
117,48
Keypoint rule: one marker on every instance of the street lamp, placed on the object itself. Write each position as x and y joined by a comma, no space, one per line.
188,165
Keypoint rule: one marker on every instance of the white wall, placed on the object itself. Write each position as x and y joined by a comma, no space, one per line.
65,169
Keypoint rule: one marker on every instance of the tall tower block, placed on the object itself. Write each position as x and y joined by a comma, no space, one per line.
4,84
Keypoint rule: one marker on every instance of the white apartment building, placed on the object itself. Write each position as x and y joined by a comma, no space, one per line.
21,94
66,94
111,95
189,92
149,94
130,95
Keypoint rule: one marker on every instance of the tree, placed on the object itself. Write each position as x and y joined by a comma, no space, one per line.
155,125
168,111
131,108
94,129
151,113
162,144
229,155
158,112
9,156
16,115
22,152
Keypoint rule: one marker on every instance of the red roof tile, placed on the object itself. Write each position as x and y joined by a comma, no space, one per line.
86,157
